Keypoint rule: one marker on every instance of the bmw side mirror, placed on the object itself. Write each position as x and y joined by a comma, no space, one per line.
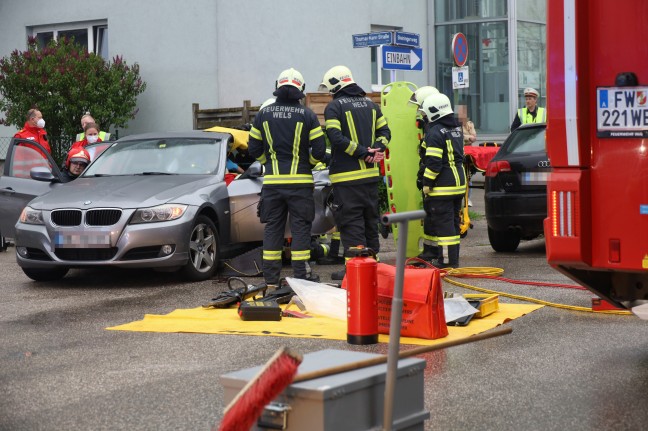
42,174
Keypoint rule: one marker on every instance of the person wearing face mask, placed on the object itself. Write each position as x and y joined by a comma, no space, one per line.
91,135
34,130
85,119
75,163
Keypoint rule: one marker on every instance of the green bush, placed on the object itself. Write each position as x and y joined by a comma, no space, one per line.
64,81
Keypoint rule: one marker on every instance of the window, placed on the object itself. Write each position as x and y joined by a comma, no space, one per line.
91,34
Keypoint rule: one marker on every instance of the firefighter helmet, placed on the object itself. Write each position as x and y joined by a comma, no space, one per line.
421,93
79,155
291,77
436,106
336,78
269,101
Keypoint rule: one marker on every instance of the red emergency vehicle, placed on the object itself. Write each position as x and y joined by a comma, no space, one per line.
597,141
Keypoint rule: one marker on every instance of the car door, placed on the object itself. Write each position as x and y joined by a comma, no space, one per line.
17,187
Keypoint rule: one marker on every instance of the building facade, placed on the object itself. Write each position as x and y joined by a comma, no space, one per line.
218,53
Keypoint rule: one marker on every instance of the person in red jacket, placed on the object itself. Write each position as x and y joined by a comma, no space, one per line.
91,135
34,129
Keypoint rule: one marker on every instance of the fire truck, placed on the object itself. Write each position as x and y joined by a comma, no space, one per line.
597,140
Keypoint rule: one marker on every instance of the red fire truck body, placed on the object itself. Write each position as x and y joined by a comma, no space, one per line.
597,141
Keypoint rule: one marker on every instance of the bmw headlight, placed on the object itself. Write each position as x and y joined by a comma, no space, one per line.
166,212
31,216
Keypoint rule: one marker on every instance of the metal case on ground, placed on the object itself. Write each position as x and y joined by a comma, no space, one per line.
350,401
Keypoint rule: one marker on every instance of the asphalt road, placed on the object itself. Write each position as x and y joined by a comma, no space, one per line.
61,370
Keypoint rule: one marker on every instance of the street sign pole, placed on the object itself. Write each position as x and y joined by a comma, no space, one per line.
460,54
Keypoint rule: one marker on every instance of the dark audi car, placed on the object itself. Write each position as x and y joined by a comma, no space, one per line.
515,188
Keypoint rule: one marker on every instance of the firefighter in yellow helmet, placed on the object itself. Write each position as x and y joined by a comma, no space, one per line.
287,138
443,177
359,135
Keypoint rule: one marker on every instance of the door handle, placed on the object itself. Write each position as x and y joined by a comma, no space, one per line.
8,190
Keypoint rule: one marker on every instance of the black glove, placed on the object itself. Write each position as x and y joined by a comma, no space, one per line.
419,184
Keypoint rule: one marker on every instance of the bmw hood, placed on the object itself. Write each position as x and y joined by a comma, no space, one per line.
125,192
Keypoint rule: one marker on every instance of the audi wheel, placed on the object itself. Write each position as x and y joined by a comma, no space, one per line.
503,241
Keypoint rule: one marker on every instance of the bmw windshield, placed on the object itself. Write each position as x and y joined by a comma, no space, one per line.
170,156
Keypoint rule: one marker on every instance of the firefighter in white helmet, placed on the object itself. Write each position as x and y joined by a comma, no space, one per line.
531,113
359,135
287,138
430,245
443,177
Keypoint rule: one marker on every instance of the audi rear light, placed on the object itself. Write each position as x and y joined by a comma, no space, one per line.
495,167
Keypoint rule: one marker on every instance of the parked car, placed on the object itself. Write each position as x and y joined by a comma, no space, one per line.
156,200
515,188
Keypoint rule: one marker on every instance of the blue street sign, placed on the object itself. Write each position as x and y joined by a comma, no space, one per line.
372,39
407,39
397,58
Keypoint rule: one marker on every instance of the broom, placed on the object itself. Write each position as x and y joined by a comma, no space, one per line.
241,413
280,370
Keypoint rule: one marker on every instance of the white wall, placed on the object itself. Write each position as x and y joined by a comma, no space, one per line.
219,53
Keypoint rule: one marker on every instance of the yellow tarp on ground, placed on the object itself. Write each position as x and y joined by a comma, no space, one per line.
227,321
241,137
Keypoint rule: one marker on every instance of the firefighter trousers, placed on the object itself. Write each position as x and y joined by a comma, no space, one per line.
443,212
274,207
355,209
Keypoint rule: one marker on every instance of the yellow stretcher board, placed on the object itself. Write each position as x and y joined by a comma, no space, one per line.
402,160
241,137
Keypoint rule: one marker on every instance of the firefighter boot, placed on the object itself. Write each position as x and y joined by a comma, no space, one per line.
453,256
333,257
430,252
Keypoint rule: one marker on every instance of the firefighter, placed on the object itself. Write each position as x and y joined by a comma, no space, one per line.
359,135
531,113
34,129
287,138
443,177
75,163
430,243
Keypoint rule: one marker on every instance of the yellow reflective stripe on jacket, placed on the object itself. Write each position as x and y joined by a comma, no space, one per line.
430,174
354,134
262,159
315,133
333,124
449,240
313,161
300,255
295,149
447,190
354,175
350,149
373,126
272,254
451,161
288,179
256,134
382,122
271,150
433,152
